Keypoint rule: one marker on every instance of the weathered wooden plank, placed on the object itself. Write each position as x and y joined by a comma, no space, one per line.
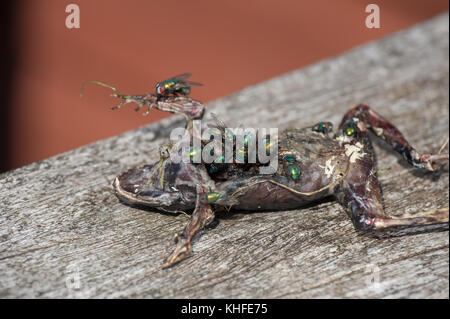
59,219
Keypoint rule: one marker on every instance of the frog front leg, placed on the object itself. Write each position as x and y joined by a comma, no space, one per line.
359,192
189,108
185,186
201,217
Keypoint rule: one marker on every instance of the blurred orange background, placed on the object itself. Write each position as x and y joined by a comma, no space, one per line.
227,45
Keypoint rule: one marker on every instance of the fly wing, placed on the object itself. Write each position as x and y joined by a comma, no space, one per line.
188,83
182,77
182,81
181,84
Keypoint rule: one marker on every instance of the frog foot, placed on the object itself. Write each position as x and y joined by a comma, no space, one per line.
433,162
181,251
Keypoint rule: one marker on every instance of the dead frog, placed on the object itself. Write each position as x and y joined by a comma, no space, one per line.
312,165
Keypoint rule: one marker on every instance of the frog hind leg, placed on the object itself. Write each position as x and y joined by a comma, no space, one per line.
363,203
367,118
180,246
360,193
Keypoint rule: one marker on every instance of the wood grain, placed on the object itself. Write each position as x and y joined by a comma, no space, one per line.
64,234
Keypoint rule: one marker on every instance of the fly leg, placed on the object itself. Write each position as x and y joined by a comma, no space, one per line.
201,217
367,118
